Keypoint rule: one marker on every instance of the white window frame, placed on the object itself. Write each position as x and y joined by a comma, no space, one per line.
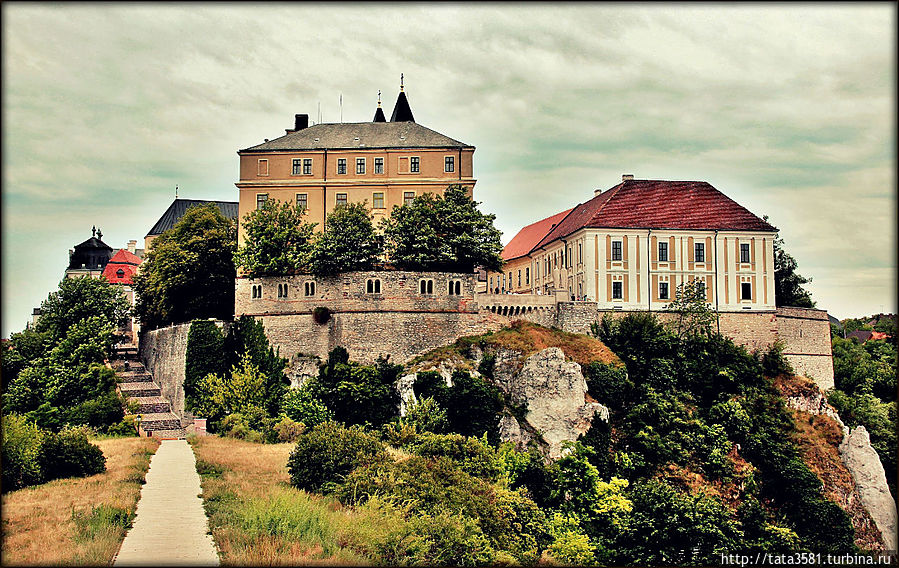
361,166
414,164
620,243
261,165
620,286
408,197
338,200
745,247
374,198
263,202
698,250
341,165
307,165
305,200
449,162
379,166
667,295
296,168
664,244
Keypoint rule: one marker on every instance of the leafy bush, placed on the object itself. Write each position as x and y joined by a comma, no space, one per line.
773,361
425,415
327,453
570,545
236,425
204,355
471,455
609,385
442,538
357,394
301,406
100,413
70,454
472,404
20,453
288,430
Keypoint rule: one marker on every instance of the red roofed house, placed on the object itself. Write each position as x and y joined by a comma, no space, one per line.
119,270
632,245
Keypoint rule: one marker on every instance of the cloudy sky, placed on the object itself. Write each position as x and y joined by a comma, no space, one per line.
788,109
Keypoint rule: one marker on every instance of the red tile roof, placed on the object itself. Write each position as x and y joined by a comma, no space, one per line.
659,204
523,242
126,262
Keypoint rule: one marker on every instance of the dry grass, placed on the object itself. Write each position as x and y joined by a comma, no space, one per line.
526,338
77,521
257,518
818,438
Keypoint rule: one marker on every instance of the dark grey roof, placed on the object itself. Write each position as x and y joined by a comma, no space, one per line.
402,112
178,207
379,115
348,135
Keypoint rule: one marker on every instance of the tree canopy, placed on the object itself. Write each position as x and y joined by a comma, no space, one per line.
80,298
189,271
788,284
348,242
442,233
694,314
277,240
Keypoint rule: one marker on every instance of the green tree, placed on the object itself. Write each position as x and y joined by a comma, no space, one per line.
189,271
694,314
247,336
788,284
348,242
277,240
442,233
77,299
205,354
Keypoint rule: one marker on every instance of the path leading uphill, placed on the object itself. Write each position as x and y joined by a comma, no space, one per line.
171,526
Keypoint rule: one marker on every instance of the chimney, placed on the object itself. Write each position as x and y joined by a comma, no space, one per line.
302,121
597,191
626,177
132,246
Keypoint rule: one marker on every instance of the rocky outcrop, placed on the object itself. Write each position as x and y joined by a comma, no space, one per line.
862,462
870,480
301,369
553,390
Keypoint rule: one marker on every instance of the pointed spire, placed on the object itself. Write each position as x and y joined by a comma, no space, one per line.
401,111
379,113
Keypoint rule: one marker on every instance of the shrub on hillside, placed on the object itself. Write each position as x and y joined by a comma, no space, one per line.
355,393
425,415
70,454
609,385
204,355
472,404
20,452
472,455
326,454
100,413
300,405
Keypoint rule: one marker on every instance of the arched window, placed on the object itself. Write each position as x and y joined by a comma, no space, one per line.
455,288
120,273
309,289
282,290
426,286
373,286
257,291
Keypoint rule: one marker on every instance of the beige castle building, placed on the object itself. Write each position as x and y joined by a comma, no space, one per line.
380,163
631,246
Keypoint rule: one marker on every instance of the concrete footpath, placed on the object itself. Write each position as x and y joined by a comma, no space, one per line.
170,527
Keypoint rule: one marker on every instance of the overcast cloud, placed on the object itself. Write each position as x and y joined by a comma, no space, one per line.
787,109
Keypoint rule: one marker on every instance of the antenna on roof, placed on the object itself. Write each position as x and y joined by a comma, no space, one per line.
401,82
379,98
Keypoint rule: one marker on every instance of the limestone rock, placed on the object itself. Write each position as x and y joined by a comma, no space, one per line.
553,389
301,369
862,461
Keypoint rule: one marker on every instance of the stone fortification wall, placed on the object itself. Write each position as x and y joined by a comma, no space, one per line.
163,352
369,335
805,334
350,292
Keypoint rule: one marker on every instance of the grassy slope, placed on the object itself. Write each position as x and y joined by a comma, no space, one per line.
78,521
257,518
818,438
528,338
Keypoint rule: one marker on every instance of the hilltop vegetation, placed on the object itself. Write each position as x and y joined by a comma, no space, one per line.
700,457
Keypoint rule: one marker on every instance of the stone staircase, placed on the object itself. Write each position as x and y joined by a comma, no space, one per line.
136,384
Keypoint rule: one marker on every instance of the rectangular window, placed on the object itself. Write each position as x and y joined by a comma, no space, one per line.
663,290
616,250
360,166
616,291
377,200
341,199
261,198
699,252
297,166
408,197
519,278
307,166
262,167
341,166
663,252
379,165
744,253
414,164
527,276
745,290
302,201
449,164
